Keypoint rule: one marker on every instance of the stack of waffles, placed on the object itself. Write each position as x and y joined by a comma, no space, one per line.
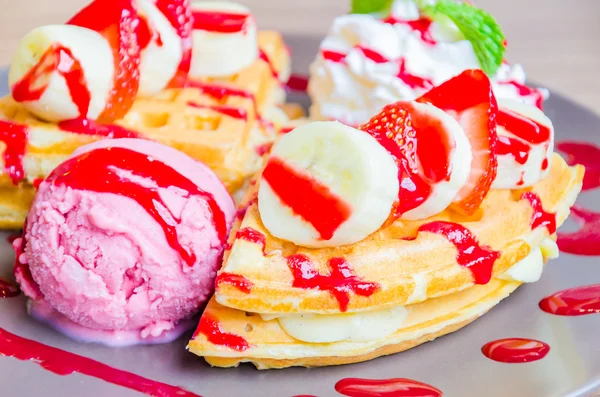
292,294
226,116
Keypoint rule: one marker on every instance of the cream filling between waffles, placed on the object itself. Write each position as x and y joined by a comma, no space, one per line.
377,324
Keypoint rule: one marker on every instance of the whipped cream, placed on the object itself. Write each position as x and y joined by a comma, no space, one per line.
366,63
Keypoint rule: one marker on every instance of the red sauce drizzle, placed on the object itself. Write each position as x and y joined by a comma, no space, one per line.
37,182
146,34
307,197
339,282
479,259
372,55
8,289
220,22
297,83
523,127
94,171
422,26
237,280
220,92
585,241
577,301
286,130
263,55
586,154
333,56
545,164
515,350
85,126
395,387
515,147
64,363
411,80
523,90
179,14
15,136
209,326
60,59
253,236
540,217
236,113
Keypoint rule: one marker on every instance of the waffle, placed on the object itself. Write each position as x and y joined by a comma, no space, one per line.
408,266
271,347
416,270
228,144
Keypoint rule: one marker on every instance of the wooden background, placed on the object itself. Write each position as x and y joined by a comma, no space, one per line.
558,41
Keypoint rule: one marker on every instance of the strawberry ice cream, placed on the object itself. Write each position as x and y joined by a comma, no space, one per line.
122,243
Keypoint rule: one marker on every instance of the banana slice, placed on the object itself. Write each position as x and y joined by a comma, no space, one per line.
526,143
162,54
224,38
327,184
444,192
62,72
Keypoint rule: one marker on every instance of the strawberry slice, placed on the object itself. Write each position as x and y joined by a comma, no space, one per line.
179,13
118,22
468,97
421,146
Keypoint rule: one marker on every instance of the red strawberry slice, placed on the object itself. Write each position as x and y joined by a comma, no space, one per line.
468,97
179,13
117,21
421,146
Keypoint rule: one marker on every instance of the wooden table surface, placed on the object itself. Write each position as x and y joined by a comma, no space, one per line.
558,41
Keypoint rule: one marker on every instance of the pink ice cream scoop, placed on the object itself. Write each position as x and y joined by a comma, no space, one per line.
122,243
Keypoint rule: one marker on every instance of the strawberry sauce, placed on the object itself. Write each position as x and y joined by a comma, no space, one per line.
479,259
577,301
263,56
8,289
422,26
64,363
236,113
411,80
221,22
525,91
57,59
220,92
297,83
15,137
95,171
339,282
515,350
540,217
395,387
307,197
515,147
333,56
586,154
89,127
253,236
585,241
524,127
209,326
237,280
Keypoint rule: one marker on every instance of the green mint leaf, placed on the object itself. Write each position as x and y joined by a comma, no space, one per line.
381,7
479,27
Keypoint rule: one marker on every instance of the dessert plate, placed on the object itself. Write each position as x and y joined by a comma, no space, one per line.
454,363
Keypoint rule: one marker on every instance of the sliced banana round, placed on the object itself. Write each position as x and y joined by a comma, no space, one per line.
525,147
161,57
60,71
224,38
327,184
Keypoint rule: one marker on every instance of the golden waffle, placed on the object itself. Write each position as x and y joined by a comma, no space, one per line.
406,271
229,145
270,347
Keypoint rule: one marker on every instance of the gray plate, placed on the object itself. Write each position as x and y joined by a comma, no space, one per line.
453,363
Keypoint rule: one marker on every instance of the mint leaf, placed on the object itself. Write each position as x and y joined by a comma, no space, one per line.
479,27
382,7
